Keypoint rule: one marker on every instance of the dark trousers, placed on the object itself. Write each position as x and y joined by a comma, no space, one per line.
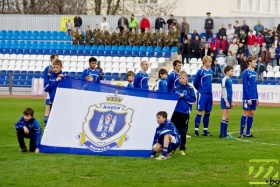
181,122
21,136
183,36
209,34
186,56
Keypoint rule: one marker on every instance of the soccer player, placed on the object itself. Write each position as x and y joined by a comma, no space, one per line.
203,84
161,82
182,111
130,77
226,101
28,127
173,80
166,139
250,97
91,74
141,78
53,58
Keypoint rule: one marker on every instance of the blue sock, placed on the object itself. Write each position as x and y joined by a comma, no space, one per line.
206,123
225,128
46,120
242,124
249,124
164,151
197,123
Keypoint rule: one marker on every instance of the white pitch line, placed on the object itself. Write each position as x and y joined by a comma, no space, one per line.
248,141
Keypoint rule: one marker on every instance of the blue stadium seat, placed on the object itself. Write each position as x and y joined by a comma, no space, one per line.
142,48
142,53
121,53
100,50
115,48
107,53
151,54
135,48
149,48
135,53
165,48
94,47
128,48
128,53
108,48
94,52
115,53
121,48
167,54
159,54
48,33
174,49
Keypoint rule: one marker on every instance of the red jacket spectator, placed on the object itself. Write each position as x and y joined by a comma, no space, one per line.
145,23
225,46
251,39
260,39
214,44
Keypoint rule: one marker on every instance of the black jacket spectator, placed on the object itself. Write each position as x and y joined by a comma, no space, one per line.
78,21
159,23
222,32
125,21
203,52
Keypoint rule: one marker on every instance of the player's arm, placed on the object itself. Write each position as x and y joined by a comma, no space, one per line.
224,91
84,74
196,80
245,81
20,124
137,80
50,86
37,135
46,76
170,80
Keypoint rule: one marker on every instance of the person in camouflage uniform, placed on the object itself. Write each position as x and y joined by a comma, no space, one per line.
118,37
153,38
132,37
125,36
81,37
111,37
174,35
139,38
75,37
146,37
104,36
167,39
160,37
88,35
97,35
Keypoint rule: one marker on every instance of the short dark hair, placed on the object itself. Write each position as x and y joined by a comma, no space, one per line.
28,111
250,59
161,72
163,114
227,69
53,56
176,62
92,59
104,18
129,73
57,62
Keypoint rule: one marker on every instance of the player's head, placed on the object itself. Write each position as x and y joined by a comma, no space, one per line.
229,71
161,117
130,76
144,65
57,66
177,65
162,74
53,58
28,113
251,61
207,61
183,77
92,62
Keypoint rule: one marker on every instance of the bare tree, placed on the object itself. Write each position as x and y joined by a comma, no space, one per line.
108,7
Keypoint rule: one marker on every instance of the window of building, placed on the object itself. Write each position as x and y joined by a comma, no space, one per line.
258,5
276,7
269,6
239,4
251,5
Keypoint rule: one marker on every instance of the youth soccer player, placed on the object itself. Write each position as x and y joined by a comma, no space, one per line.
53,58
130,77
226,101
250,97
28,127
203,85
91,74
166,139
161,82
141,78
173,77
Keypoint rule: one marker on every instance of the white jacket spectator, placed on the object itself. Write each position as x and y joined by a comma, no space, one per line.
230,32
104,23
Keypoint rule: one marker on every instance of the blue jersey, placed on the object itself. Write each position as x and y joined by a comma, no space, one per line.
172,81
52,86
130,85
166,128
33,128
162,85
94,73
141,80
203,81
184,104
226,88
250,91
47,75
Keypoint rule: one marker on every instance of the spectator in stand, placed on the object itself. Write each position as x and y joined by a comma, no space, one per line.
278,28
236,28
243,37
69,27
144,23
78,21
159,23
170,21
254,50
215,67
205,51
265,54
222,31
104,23
231,60
243,63
221,58
272,54
259,69
100,70
194,34
203,41
260,38
276,40
196,48
209,26
259,27
267,37
185,52
274,32
277,54
225,44
184,29
233,47
230,32
190,45
245,27
251,40
240,51
121,22
133,22
214,44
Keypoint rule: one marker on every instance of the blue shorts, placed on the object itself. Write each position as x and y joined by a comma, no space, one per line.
250,107
204,102
173,145
223,104
48,102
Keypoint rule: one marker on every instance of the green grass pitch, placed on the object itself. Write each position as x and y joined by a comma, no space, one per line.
209,161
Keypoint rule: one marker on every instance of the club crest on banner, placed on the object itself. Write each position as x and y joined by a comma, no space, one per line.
106,125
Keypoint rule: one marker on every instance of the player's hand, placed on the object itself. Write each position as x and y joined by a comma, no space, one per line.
249,102
61,75
58,79
37,150
227,105
258,102
152,156
25,130
89,78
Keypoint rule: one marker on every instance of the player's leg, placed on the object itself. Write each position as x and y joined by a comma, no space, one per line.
47,111
250,119
157,147
32,144
20,136
206,117
246,112
224,123
166,141
200,108
183,122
